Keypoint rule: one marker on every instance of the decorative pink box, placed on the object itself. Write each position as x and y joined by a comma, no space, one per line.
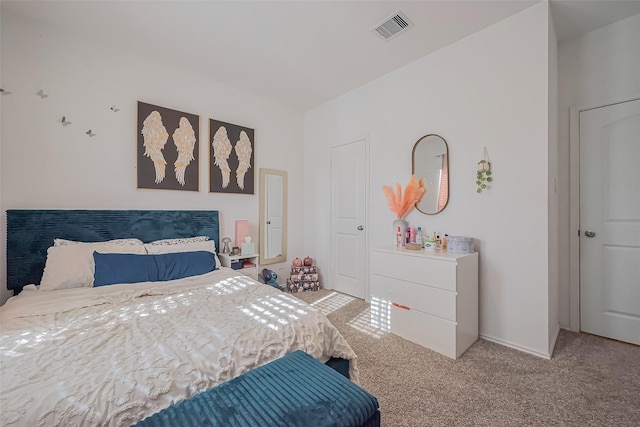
303,279
304,270
302,285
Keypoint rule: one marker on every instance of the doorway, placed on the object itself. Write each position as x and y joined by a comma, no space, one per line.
609,220
349,201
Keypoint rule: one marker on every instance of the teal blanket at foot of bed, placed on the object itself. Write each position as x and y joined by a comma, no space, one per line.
295,390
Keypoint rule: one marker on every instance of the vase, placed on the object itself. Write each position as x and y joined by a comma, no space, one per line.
399,222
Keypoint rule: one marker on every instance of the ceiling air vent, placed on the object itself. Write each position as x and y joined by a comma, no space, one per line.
393,26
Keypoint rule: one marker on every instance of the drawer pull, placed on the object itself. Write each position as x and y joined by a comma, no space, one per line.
404,307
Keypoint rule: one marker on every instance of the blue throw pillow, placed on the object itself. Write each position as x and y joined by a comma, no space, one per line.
134,268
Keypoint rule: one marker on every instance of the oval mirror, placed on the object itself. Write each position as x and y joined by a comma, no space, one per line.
430,160
273,216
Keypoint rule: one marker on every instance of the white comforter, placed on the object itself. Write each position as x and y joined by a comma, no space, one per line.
116,354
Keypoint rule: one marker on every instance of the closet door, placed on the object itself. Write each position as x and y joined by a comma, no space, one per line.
348,217
610,221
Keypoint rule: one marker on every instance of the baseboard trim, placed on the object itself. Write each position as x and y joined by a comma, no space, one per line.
516,346
552,344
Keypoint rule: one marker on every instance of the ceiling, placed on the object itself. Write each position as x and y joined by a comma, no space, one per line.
298,53
574,17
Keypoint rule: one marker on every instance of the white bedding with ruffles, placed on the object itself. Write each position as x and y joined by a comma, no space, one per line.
116,354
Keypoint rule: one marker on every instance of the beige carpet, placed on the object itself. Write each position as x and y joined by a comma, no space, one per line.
589,381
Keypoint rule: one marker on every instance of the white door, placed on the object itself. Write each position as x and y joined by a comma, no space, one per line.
610,221
348,216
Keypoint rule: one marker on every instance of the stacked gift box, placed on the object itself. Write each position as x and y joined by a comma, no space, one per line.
303,279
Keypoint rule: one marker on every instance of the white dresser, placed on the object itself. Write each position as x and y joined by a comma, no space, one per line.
432,296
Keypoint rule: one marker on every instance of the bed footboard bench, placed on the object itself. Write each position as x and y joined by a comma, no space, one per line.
295,390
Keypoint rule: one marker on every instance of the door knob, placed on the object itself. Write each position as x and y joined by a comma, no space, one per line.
360,228
590,233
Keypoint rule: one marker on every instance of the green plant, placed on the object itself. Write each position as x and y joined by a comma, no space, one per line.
483,176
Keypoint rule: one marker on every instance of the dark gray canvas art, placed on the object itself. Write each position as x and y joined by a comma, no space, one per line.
231,157
167,148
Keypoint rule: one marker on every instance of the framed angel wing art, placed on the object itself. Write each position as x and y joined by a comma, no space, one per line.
167,148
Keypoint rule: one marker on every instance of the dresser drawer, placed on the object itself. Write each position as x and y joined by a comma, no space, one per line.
426,299
428,331
425,271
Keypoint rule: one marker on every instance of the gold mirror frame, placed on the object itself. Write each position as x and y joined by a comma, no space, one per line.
430,160
273,216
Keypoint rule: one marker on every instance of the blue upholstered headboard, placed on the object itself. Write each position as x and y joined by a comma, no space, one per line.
31,232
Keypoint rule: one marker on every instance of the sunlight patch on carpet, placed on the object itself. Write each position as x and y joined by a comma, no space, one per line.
332,302
375,321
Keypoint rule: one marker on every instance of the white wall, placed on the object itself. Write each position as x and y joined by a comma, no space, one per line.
46,165
3,219
600,67
489,89
554,267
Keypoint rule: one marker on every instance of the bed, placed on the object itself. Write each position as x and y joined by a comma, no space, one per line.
115,354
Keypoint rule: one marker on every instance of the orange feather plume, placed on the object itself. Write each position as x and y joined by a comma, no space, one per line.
401,204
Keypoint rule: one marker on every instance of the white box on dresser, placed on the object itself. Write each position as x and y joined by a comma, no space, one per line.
433,296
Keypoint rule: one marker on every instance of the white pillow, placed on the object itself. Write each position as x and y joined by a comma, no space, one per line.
121,242
207,245
179,241
72,266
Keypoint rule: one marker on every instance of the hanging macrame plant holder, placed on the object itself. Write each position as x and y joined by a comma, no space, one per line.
483,175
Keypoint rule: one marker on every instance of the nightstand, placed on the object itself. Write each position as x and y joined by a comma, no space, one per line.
228,260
